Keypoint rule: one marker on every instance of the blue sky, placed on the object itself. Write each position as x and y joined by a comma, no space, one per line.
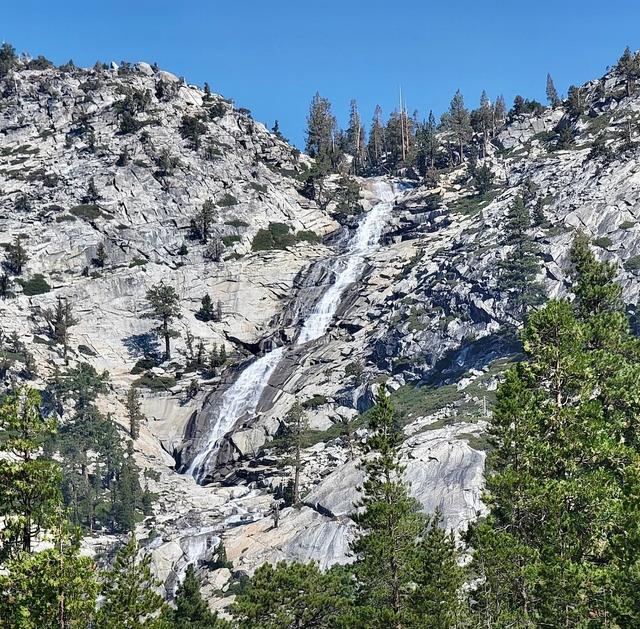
272,56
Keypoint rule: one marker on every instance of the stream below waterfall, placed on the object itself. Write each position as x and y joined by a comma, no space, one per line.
243,396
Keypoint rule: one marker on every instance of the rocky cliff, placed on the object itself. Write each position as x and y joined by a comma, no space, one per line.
112,163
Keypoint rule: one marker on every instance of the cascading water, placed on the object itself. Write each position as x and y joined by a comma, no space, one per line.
243,396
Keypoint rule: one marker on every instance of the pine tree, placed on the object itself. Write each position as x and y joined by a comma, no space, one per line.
16,256
321,128
54,588
521,265
403,558
375,148
552,94
134,412
164,305
499,113
59,320
486,120
355,139
293,596
206,312
129,590
101,255
427,145
192,611
293,430
29,483
558,548
629,66
458,123
201,221
5,286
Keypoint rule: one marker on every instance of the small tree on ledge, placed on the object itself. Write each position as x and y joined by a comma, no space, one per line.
164,305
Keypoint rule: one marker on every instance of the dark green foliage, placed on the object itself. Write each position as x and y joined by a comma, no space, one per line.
164,307
227,200
207,310
54,588
632,264
16,256
314,402
35,285
59,319
29,482
347,198
522,106
426,145
221,560
192,611
134,411
521,265
8,59
375,147
558,548
483,179
575,101
406,569
292,596
321,126
629,66
277,236
201,221
458,122
129,591
5,286
87,211
552,94
155,383
192,128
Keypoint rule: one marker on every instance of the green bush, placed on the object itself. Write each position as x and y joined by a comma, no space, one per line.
277,236
227,201
627,225
229,240
87,211
603,242
143,364
632,264
307,235
37,285
156,383
237,223
315,401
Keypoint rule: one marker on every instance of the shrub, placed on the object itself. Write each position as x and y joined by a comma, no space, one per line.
227,201
87,211
307,236
217,110
192,128
632,264
144,364
278,236
156,383
315,401
602,242
237,223
227,241
37,285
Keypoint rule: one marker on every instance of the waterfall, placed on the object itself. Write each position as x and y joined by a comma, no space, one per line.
238,400
243,396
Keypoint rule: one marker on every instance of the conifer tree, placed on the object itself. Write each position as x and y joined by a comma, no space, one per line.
520,267
486,120
293,596
552,94
294,427
192,611
129,590
201,221
321,128
427,144
458,122
403,557
164,306
16,256
59,319
134,412
29,483
206,311
629,66
355,139
375,148
558,548
53,588
499,112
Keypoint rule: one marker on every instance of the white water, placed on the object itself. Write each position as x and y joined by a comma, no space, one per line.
239,399
243,396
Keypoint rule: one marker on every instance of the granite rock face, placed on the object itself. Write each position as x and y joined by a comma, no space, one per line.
109,157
